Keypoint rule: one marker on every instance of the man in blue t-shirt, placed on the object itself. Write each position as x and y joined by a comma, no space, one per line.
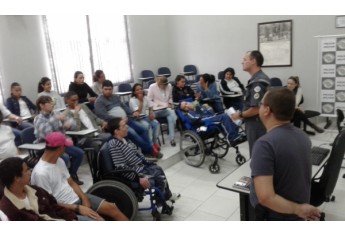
281,163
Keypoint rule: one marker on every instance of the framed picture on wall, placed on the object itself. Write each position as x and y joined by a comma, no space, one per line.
275,43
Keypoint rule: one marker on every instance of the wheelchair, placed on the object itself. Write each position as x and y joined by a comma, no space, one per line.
205,138
112,185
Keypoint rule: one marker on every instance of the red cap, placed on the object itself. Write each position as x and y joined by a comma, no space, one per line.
57,139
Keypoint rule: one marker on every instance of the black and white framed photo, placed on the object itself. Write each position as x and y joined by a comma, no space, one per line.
275,43
340,22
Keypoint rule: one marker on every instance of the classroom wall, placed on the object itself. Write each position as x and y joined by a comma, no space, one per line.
212,43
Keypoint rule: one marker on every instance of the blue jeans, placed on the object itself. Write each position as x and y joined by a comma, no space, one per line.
18,134
153,127
170,115
138,134
230,129
75,156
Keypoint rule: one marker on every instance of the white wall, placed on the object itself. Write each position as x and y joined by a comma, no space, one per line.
213,43
23,56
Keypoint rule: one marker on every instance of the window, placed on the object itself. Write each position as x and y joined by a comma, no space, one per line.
87,43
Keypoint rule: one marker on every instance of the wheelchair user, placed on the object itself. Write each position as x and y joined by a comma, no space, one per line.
125,154
202,114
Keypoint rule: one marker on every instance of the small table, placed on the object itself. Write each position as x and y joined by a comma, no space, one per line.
81,132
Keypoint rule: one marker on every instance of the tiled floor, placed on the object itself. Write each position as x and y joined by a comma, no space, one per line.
202,201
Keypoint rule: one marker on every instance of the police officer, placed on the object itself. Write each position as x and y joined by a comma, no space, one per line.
255,90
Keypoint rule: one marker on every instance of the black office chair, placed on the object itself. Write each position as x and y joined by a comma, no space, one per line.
220,75
163,123
275,82
28,137
164,71
323,187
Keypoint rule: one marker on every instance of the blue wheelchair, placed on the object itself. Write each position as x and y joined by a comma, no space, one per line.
110,184
205,138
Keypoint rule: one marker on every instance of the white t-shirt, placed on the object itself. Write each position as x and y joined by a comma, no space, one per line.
117,112
24,110
54,179
7,146
134,105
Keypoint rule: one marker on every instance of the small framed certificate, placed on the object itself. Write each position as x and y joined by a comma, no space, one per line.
340,22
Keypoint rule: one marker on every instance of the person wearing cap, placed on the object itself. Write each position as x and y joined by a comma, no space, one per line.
160,94
125,155
22,201
48,121
51,174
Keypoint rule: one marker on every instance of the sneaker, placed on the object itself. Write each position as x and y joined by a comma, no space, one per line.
172,142
174,197
157,147
76,179
157,154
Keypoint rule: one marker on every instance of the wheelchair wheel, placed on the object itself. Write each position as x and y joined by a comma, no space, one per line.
192,148
214,168
119,193
240,159
221,147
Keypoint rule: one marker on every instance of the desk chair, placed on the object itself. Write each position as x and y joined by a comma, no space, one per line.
164,71
28,137
149,75
190,70
275,82
323,187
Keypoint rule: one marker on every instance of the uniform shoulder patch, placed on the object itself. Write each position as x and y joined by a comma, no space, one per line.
257,89
256,96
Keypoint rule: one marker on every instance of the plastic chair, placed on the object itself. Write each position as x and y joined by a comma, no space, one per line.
125,87
220,75
164,71
148,77
190,70
323,187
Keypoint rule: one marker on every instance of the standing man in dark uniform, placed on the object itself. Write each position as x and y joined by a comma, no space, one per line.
256,88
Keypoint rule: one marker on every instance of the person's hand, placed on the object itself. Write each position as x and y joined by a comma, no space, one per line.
77,108
152,116
104,125
300,109
18,120
144,182
197,95
308,212
85,201
85,211
136,114
92,99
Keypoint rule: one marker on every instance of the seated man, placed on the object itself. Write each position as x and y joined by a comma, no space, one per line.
25,202
7,146
109,105
51,174
197,114
125,155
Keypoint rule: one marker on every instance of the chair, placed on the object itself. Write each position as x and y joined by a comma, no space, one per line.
164,71
163,123
147,76
220,75
323,187
190,70
28,137
276,82
340,119
125,87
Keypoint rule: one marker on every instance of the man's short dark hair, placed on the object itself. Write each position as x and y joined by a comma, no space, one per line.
70,94
107,83
9,169
281,102
259,58
114,124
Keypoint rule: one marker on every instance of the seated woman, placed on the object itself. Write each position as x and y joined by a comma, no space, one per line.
207,88
293,84
83,90
20,106
140,104
48,121
45,89
98,79
232,90
195,112
181,90
160,94
22,201
7,146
